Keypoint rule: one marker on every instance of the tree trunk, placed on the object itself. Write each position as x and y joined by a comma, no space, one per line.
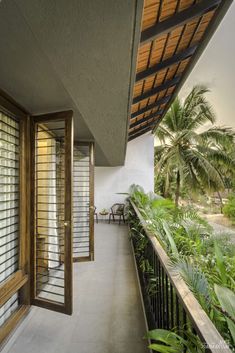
166,189
177,191
221,202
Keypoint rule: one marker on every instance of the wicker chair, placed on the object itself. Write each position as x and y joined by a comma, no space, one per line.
117,210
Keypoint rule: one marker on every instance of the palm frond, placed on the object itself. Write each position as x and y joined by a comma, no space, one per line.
162,133
197,109
207,172
218,135
196,281
200,159
173,117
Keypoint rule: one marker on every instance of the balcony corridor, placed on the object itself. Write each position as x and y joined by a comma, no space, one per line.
107,315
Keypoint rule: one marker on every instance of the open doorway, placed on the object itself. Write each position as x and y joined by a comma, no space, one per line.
62,209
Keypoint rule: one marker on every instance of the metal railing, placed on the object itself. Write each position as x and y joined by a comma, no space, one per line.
168,301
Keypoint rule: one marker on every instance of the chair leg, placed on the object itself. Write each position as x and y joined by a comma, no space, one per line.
113,218
97,221
109,218
124,221
119,220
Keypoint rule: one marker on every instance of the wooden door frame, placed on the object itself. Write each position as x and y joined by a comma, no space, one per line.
67,116
91,256
20,280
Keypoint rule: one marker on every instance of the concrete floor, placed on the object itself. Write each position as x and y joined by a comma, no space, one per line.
107,316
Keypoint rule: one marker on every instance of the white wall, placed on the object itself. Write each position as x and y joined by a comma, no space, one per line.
138,169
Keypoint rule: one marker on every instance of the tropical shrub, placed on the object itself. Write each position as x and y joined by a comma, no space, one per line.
165,341
229,208
204,261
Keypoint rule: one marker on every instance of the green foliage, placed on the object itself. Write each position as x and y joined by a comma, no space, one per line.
229,208
188,160
196,281
227,301
221,267
170,342
202,260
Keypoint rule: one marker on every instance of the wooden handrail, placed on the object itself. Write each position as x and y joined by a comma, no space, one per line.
204,327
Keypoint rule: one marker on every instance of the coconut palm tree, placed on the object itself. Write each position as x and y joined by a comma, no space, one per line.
191,154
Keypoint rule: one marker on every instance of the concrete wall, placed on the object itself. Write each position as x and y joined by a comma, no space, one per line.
138,169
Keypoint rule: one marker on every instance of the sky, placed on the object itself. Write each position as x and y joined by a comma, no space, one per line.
216,70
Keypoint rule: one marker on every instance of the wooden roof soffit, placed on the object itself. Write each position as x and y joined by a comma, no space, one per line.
174,34
178,19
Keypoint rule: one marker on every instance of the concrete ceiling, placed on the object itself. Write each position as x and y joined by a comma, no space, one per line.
74,54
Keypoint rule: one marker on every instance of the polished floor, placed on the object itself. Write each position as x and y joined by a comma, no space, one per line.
107,315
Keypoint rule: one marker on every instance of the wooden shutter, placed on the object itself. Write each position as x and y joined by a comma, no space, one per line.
83,202
52,136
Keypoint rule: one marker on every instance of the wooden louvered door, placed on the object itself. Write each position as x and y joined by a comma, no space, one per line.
51,228
83,202
14,280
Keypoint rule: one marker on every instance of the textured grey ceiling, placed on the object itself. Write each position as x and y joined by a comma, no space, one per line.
73,54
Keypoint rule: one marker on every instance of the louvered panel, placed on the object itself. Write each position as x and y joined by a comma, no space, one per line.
81,202
9,207
49,211
8,308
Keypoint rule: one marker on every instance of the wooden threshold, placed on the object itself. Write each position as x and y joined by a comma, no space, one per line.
82,259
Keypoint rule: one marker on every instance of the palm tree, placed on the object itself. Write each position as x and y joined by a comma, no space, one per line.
190,154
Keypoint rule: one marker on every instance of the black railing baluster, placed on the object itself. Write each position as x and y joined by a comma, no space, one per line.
157,293
184,319
160,295
172,306
150,283
155,290
153,294
163,299
163,295
184,326
177,312
167,302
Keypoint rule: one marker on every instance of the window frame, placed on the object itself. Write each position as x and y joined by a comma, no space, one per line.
19,280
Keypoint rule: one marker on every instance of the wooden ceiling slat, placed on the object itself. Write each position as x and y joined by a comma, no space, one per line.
152,99
150,13
158,47
168,9
172,33
166,63
155,90
143,104
145,119
184,4
138,132
148,83
178,19
143,110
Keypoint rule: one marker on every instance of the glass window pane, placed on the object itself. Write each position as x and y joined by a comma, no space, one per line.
9,196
